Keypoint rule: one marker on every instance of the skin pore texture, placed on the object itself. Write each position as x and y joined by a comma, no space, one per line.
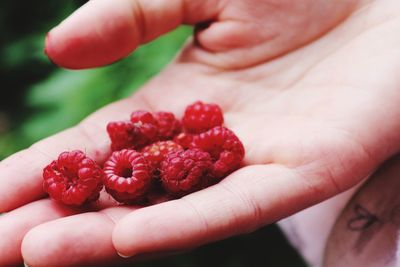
320,76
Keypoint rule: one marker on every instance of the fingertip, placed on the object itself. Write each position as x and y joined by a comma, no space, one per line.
137,233
31,249
48,49
120,238
97,34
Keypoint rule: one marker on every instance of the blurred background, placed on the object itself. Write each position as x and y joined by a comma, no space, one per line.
38,99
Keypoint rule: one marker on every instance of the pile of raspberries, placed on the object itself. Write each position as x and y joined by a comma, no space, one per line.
152,152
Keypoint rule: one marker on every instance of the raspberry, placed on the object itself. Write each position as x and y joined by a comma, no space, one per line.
168,125
73,178
147,134
148,128
127,176
184,139
155,153
183,172
128,135
142,117
225,148
200,117
121,134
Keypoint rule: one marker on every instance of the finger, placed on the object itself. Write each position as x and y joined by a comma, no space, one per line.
21,174
14,225
104,31
246,200
80,240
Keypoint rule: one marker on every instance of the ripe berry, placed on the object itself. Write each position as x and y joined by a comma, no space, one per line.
73,178
142,116
200,117
128,135
184,139
168,125
147,127
147,134
156,152
127,176
183,172
225,148
121,134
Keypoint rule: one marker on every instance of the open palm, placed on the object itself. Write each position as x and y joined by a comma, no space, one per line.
311,88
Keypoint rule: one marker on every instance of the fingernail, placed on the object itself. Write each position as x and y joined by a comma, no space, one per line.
123,256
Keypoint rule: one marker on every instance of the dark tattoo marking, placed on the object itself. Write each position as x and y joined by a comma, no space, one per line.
362,220
366,224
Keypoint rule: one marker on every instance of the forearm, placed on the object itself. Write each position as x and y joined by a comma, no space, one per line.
356,228
308,230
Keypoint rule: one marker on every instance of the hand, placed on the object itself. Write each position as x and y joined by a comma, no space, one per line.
316,110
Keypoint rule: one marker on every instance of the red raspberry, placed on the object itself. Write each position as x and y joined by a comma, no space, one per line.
168,125
183,172
155,153
147,134
73,178
225,148
142,117
148,128
121,134
200,117
184,139
127,135
127,176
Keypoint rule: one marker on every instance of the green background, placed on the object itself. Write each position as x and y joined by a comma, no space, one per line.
38,99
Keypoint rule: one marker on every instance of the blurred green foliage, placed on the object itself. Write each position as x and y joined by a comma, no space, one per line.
38,99
62,98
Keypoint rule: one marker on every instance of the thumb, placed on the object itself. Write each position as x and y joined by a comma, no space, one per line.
103,31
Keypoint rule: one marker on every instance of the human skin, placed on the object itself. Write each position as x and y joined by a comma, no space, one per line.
358,227
320,77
